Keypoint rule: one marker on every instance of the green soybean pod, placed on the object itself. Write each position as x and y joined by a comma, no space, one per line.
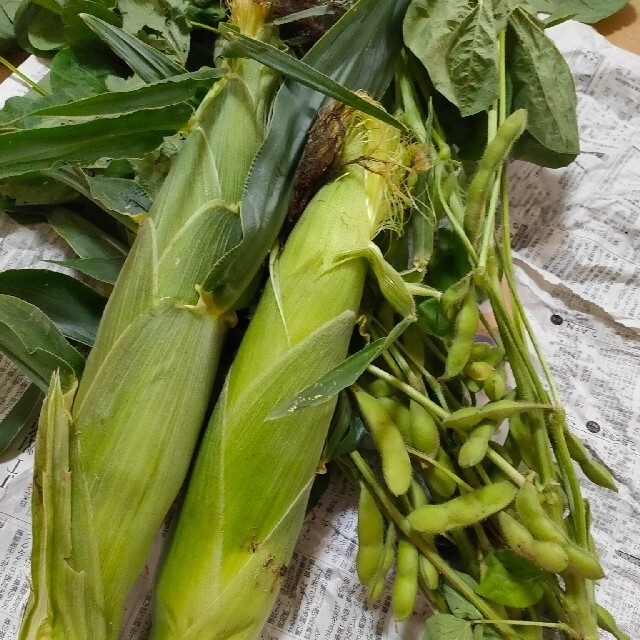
463,511
594,470
379,388
478,371
376,585
370,536
466,328
533,516
520,432
493,157
400,415
439,482
405,586
549,556
473,450
495,385
424,431
454,296
607,623
396,464
428,573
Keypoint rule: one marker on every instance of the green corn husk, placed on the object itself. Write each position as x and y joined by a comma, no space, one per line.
247,496
110,461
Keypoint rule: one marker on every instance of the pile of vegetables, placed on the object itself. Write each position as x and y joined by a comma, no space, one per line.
291,223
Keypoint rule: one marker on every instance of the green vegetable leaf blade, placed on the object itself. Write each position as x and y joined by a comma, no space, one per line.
31,340
102,269
23,414
511,580
442,626
543,85
73,306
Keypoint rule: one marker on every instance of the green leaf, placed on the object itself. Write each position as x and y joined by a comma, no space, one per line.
23,414
8,10
442,626
346,430
543,85
72,306
147,62
588,11
511,580
290,67
432,320
38,30
102,269
120,195
78,78
340,377
457,41
127,136
159,23
359,52
450,261
85,238
33,343
460,607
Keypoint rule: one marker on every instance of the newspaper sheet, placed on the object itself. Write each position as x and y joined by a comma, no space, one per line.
576,231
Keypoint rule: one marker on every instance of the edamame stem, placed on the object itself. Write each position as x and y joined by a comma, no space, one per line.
428,404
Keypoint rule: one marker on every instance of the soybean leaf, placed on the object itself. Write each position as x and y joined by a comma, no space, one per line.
78,34
543,85
8,10
432,320
457,41
359,52
31,340
78,78
450,261
102,269
588,11
295,69
511,580
72,306
39,30
340,377
459,606
151,65
23,414
159,23
442,626
127,136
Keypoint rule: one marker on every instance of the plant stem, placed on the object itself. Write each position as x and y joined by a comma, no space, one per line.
22,76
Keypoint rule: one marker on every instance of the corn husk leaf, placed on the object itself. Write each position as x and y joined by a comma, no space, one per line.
359,52
22,415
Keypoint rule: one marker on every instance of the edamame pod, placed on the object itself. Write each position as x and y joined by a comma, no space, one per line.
379,388
370,536
535,519
428,573
405,586
424,431
396,464
607,622
399,413
478,371
493,157
594,470
467,417
376,585
454,296
439,482
466,328
495,386
463,511
549,556
473,450
520,431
